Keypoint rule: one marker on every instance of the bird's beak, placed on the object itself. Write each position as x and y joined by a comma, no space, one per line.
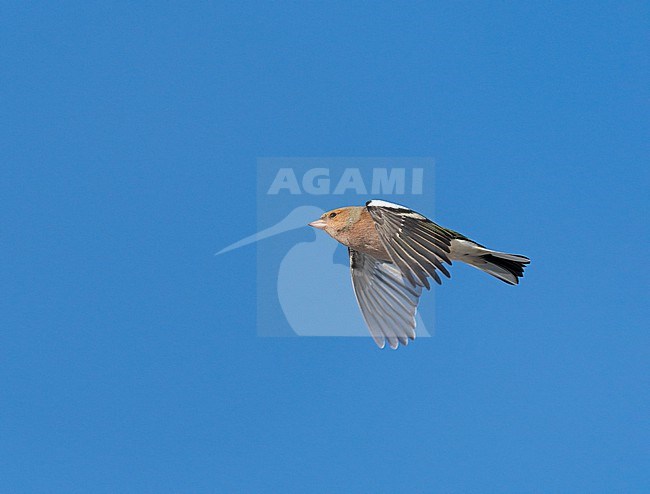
319,223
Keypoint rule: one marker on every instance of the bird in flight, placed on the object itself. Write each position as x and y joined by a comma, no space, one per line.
393,253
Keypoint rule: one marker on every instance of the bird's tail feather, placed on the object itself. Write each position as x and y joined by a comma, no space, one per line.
506,267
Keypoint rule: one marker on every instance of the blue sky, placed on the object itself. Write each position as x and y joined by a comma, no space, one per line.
128,352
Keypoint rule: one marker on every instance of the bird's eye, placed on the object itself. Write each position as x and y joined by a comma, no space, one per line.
332,215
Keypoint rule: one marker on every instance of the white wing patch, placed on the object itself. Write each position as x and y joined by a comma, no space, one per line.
385,204
402,210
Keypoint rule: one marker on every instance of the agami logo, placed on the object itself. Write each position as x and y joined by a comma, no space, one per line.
317,181
303,276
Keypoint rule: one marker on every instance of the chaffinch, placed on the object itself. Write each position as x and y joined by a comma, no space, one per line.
393,253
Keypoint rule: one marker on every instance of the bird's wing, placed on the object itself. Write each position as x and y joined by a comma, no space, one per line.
388,301
414,243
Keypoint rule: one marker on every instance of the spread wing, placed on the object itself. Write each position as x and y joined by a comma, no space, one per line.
388,301
416,245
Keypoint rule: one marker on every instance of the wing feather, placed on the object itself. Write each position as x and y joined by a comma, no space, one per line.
421,260
407,261
387,299
416,245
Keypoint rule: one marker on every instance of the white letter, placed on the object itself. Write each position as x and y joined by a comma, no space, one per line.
383,183
416,185
323,186
351,179
285,179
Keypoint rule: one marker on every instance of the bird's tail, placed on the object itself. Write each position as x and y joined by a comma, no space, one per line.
506,267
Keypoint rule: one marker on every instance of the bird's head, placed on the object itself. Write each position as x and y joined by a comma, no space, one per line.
336,221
